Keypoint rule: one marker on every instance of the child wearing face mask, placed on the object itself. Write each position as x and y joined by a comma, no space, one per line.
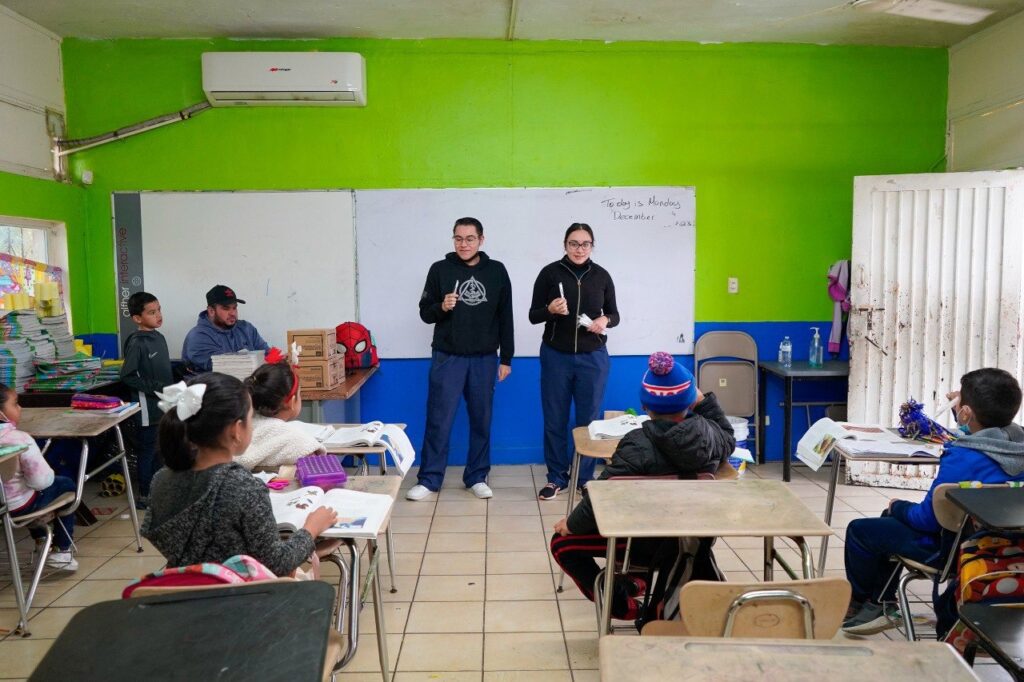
34,485
991,450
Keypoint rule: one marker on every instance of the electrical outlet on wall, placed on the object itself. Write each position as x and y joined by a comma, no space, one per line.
722,382
767,420
734,285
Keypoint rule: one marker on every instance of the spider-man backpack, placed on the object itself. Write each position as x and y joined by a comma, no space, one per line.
356,342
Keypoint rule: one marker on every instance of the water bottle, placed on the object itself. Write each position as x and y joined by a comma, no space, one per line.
786,353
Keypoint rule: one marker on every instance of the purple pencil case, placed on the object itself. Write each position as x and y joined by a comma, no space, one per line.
323,471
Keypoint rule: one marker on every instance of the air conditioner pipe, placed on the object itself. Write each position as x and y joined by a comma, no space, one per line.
62,148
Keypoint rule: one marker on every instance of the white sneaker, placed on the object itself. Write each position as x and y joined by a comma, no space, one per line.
482,490
418,492
62,561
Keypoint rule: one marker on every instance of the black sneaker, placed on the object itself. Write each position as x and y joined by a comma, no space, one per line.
872,619
548,492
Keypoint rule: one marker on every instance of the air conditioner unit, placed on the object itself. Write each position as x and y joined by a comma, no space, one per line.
284,79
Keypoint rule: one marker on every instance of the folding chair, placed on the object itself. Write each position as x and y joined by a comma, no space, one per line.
807,609
39,518
726,363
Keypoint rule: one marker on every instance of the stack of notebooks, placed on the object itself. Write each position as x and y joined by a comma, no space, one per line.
239,365
16,368
23,324
75,373
57,328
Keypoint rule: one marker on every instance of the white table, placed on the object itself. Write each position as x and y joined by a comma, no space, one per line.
670,659
639,508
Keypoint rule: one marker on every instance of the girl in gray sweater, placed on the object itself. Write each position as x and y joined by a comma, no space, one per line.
203,506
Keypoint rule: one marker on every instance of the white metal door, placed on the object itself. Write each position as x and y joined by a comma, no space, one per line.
936,286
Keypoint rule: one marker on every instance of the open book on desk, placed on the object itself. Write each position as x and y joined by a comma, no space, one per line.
815,446
616,427
360,515
372,434
905,448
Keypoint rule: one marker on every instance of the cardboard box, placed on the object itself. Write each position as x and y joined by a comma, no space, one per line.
317,344
323,374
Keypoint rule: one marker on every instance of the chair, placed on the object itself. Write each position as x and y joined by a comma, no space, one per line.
1000,632
952,519
335,642
807,609
726,363
65,503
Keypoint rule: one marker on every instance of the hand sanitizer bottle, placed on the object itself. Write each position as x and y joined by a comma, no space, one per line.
786,353
816,355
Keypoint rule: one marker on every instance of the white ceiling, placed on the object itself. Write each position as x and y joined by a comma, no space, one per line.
788,21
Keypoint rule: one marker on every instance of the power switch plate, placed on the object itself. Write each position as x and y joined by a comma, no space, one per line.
722,382
734,285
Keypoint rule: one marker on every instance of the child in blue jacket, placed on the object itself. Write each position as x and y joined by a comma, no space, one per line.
990,451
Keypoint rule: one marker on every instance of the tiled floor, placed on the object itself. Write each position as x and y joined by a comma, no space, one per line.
476,593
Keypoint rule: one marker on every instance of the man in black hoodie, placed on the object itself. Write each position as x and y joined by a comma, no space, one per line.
468,299
688,435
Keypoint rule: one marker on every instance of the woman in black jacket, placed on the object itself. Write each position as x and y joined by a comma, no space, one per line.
575,299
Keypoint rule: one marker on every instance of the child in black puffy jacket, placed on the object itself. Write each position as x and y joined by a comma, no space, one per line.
688,435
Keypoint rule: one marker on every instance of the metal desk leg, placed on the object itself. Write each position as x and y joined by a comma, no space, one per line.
353,606
787,431
609,587
574,477
806,559
830,500
12,551
389,536
769,559
762,389
316,411
128,488
378,614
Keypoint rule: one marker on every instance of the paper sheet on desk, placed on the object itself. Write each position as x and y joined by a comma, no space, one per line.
902,449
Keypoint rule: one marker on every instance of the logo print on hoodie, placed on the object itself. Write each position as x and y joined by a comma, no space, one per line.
472,292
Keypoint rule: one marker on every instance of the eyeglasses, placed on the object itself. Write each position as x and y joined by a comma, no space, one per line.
470,240
579,245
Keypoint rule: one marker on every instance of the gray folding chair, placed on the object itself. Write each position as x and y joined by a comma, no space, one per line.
726,364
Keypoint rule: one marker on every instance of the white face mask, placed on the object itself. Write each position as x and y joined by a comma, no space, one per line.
8,421
964,428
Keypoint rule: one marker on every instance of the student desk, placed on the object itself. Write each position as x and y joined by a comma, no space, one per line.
81,425
269,631
639,508
995,508
1000,631
799,371
353,599
667,659
348,392
838,454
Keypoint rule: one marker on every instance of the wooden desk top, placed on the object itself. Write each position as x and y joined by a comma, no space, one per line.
668,659
641,508
354,380
384,485
587,447
63,422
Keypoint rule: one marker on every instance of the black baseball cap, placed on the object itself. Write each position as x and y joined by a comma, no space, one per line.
222,295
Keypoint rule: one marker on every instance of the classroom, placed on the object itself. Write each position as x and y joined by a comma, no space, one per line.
742,174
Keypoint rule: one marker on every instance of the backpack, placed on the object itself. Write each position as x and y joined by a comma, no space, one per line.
676,561
237,569
991,571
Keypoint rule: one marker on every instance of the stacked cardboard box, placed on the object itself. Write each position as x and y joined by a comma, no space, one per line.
321,366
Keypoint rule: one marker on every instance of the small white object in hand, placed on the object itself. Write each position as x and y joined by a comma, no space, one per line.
585,321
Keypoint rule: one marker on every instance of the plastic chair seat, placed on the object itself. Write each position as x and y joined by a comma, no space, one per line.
55,506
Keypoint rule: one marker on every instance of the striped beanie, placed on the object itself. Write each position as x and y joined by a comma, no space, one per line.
667,386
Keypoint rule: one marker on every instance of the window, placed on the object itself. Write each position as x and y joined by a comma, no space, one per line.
32,251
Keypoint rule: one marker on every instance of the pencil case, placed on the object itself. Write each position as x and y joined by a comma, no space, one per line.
323,471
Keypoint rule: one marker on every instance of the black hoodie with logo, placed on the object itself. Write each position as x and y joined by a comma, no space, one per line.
481,322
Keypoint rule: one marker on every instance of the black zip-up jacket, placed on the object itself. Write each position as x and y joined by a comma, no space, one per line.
147,369
481,322
591,292
696,445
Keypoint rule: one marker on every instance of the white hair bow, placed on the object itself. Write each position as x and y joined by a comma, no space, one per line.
186,399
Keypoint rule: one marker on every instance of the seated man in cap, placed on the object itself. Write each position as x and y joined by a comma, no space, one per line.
219,330
688,435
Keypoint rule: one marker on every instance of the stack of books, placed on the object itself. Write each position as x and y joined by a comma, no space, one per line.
16,368
239,365
57,328
23,324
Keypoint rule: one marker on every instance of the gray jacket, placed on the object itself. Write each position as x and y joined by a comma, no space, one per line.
217,513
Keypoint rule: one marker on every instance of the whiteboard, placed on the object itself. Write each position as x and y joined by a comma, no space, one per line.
644,236
289,255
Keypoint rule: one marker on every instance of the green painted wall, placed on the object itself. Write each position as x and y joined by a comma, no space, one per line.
25,197
771,136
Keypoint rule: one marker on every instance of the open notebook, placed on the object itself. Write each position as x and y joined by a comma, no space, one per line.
617,427
360,515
